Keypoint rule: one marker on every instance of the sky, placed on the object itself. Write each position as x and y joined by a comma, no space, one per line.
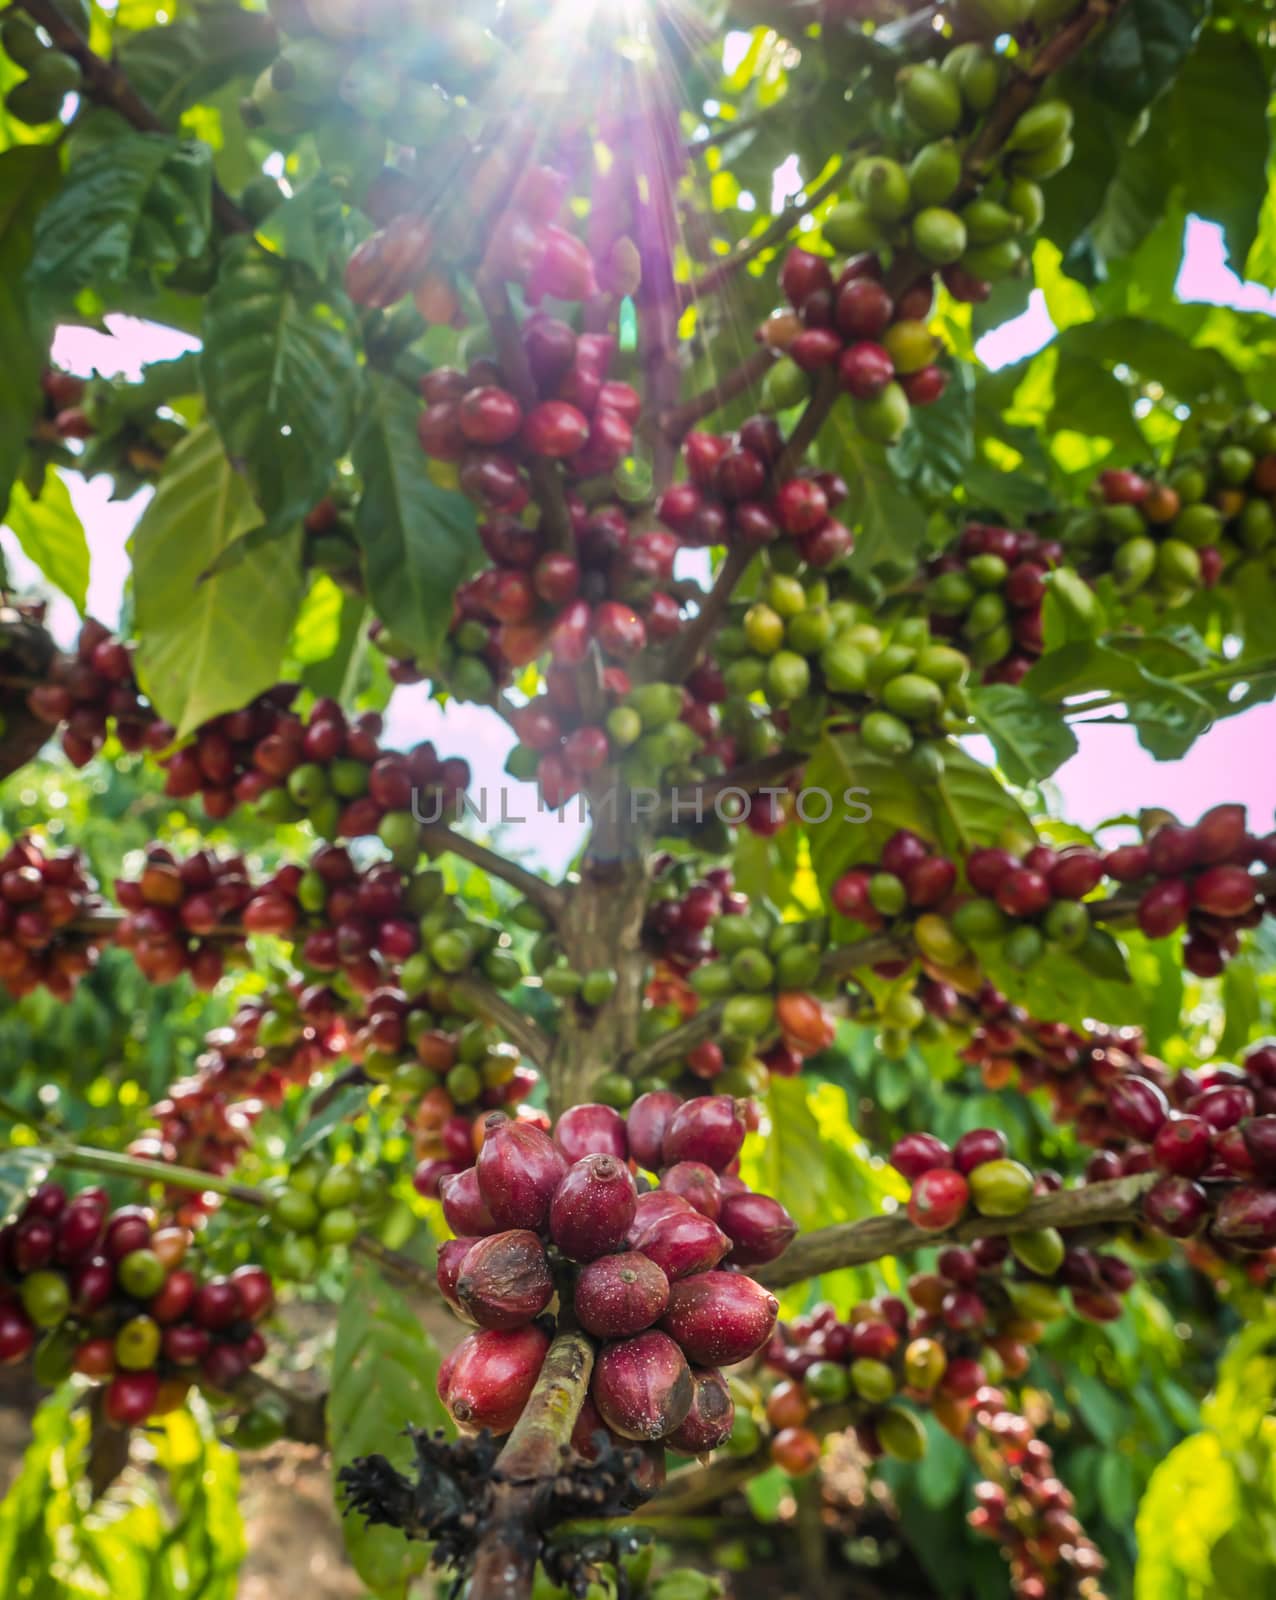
1110,774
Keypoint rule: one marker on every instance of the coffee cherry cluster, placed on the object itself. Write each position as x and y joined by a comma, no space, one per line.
106,1294
1197,876
581,419
205,1121
878,343
881,349
525,244
64,394
51,75
320,1205
42,895
652,1276
1204,1133
327,768
180,916
1022,1504
733,497
811,658
93,691
988,591
1203,880
1171,532
369,87
945,1183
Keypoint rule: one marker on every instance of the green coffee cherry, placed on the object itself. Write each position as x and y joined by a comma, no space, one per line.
872,1380
1041,126
992,262
1177,565
1001,1188
1024,947
21,41
785,384
1067,923
939,236
1041,1250
882,185
943,664
56,74
1026,201
1133,564
845,668
913,697
851,227
931,100
28,103
788,677
934,173
883,418
1045,163
886,735
901,1434
988,223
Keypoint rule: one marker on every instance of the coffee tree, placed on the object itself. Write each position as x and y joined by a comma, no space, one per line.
612,371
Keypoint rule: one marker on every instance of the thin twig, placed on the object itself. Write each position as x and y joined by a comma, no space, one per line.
775,232
530,1038
676,424
437,837
687,646
851,1244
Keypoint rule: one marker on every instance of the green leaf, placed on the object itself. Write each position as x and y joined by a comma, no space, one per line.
281,377
1117,1488
310,226
1138,56
204,648
766,1492
1192,1498
383,1371
1221,138
1136,197
966,807
938,446
1158,354
1089,400
52,536
1102,1413
888,522
1065,985
942,1470
173,1534
180,63
1168,716
1030,737
29,176
1242,1006
129,200
418,540
1016,496
314,1129
973,808
841,763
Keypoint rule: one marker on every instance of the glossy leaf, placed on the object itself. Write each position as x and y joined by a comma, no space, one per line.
52,536
205,647
383,1370
29,176
418,540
